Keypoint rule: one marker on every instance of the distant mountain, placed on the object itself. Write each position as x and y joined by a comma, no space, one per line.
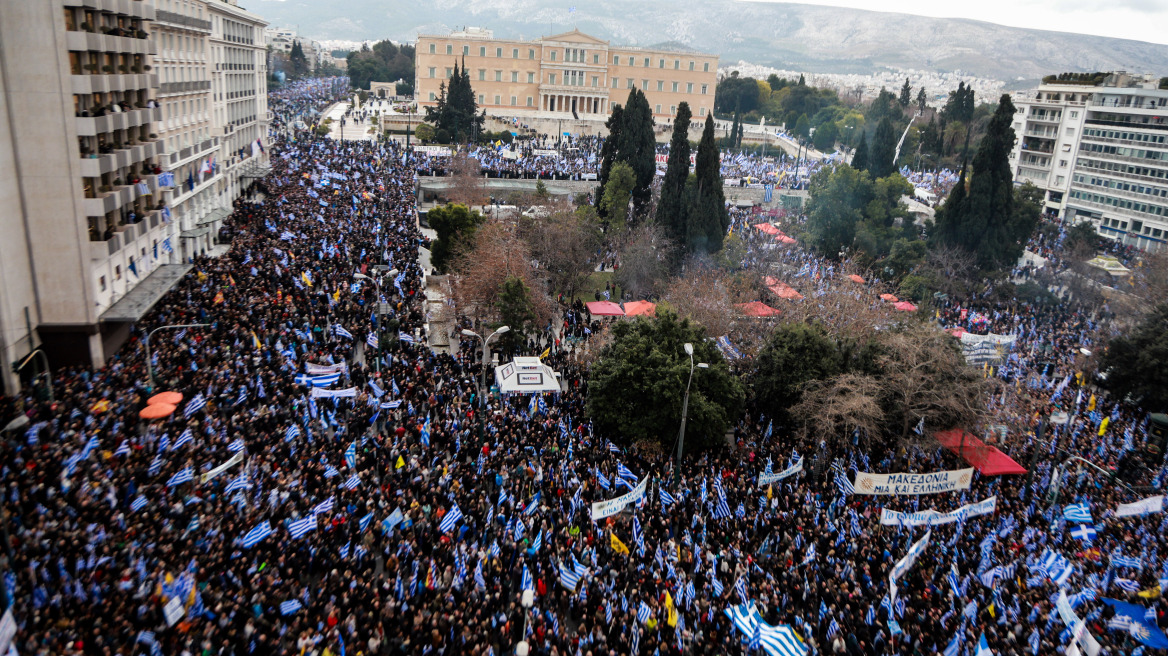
783,35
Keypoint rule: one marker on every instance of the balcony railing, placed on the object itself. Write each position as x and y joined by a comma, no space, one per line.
184,21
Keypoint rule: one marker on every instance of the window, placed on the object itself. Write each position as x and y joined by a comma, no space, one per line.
691,65
647,64
701,111
676,64
498,76
497,100
1062,163
689,87
704,88
432,71
482,51
514,101
101,282
514,76
466,50
615,82
530,101
595,81
675,87
629,83
1074,114
673,110
657,109
1059,180
706,67
660,63
482,99
595,59
531,53
431,48
553,55
449,49
551,78
449,73
515,53
616,60
644,85
531,78
432,96
660,85
499,52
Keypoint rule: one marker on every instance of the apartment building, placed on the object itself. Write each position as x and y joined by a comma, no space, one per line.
239,92
1047,125
1099,149
565,75
107,118
182,30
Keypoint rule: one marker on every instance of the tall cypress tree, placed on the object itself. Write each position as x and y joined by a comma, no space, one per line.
608,153
986,221
860,159
882,155
707,218
638,147
671,206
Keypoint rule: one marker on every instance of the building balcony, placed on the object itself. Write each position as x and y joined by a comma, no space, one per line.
79,41
135,8
170,88
105,83
183,155
178,20
89,126
1038,148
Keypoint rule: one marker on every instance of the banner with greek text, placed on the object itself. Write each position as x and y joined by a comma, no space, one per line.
313,369
905,564
602,509
766,479
231,462
896,484
933,518
1142,507
321,393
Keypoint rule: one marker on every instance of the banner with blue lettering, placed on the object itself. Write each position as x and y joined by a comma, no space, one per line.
897,484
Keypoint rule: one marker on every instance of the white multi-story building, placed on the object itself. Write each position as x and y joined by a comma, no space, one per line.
239,91
1048,124
1100,152
182,30
101,101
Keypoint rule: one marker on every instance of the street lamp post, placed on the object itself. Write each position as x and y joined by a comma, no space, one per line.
483,374
376,311
149,365
526,600
685,412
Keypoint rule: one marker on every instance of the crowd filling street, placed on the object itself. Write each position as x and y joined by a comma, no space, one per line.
329,484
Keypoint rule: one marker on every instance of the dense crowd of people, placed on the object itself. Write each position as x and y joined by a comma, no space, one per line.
330,485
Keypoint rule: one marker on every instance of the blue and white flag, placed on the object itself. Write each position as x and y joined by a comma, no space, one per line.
451,519
182,476
138,503
338,331
1077,513
983,648
194,405
303,527
290,607
257,535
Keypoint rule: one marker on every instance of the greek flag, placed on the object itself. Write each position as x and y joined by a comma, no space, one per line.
776,640
954,647
194,405
494,551
338,331
603,481
1084,532
768,193
666,498
450,520
256,535
1125,561
182,476
623,472
363,523
613,448
1078,513
371,340
236,445
740,588
323,380
240,483
480,580
351,455
1127,584
1056,567
290,607
525,582
377,391
643,613
353,482
569,578
845,486
426,432
138,504
123,450
324,506
983,648
405,337
303,527
718,587
538,542
186,438
292,433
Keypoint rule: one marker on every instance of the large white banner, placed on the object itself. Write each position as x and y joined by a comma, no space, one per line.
231,462
1078,627
1142,507
313,369
933,518
905,564
602,509
766,479
895,484
322,393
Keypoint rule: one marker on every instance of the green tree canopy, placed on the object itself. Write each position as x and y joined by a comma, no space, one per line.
636,145
671,206
795,354
456,111
882,154
706,216
617,193
1136,364
736,92
516,311
608,151
384,62
648,355
455,225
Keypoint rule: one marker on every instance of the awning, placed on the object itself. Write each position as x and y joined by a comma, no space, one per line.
605,309
256,170
194,234
756,309
782,289
988,459
904,306
768,228
856,279
135,304
214,215
638,308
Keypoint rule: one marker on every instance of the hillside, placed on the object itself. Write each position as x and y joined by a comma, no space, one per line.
791,36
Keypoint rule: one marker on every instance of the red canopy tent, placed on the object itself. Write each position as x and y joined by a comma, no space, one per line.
768,228
638,308
782,289
605,309
988,460
889,297
905,306
756,309
784,239
854,278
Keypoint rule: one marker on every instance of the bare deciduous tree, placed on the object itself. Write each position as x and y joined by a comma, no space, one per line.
644,261
467,185
495,255
836,407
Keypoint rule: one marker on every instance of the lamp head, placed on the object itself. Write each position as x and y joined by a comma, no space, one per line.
469,333
703,365
503,329
688,348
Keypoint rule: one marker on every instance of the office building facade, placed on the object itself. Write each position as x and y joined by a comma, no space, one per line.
566,75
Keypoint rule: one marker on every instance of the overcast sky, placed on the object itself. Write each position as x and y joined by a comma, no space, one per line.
1143,20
